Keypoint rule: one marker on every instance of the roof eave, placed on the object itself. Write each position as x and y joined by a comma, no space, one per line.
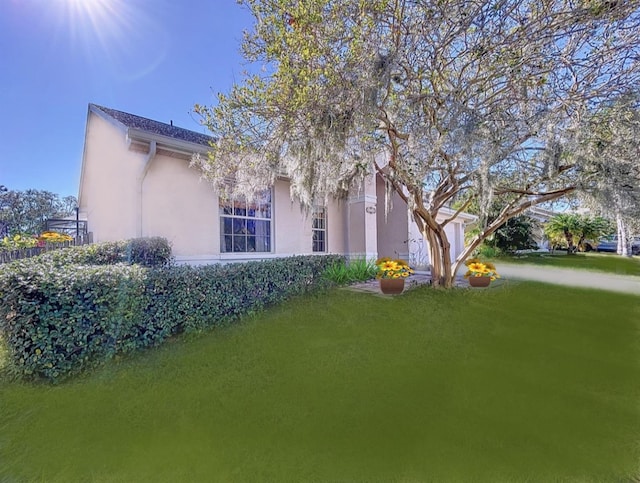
462,215
167,142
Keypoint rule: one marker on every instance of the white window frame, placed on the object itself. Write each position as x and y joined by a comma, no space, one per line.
246,227
321,230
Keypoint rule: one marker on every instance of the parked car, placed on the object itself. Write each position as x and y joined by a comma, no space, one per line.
610,244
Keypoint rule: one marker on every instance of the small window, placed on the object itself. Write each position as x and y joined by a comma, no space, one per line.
245,226
320,229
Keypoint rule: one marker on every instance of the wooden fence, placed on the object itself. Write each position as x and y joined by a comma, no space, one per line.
10,256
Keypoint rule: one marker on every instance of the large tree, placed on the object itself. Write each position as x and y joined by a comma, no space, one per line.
26,211
444,99
517,233
607,149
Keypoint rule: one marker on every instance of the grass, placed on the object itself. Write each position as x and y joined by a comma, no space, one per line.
602,262
434,385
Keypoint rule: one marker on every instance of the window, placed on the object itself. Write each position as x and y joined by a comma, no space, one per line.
319,229
245,226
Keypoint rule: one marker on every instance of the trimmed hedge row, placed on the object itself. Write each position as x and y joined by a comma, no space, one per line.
149,252
59,320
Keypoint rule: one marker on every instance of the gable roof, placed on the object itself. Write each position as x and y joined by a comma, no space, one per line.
142,124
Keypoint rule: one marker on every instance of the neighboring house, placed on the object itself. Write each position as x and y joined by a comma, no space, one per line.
136,182
541,216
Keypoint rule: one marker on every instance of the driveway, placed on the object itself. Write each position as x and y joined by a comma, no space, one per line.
575,278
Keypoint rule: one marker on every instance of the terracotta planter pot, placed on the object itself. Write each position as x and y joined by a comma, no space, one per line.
392,286
479,281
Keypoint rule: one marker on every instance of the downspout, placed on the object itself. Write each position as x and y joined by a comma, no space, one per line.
145,169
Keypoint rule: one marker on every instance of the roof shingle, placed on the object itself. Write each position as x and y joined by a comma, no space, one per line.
155,127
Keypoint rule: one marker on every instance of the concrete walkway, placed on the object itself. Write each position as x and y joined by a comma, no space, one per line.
418,278
557,276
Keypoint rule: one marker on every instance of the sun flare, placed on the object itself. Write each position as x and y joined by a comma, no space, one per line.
91,9
119,34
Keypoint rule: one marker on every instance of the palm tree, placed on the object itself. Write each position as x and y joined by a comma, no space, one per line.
563,225
571,226
592,228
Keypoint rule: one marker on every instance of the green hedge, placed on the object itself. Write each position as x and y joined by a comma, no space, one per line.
149,252
58,320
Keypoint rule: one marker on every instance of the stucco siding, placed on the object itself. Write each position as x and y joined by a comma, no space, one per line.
292,228
136,182
393,228
108,194
178,206
362,226
336,227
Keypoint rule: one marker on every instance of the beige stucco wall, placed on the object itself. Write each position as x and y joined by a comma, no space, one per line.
393,229
362,226
336,227
108,192
293,227
122,200
178,206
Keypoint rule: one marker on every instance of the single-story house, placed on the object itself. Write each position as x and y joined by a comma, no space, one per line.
541,216
136,182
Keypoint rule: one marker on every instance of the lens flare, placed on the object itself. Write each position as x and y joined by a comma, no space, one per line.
119,34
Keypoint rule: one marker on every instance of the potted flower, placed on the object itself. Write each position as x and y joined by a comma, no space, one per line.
480,274
392,274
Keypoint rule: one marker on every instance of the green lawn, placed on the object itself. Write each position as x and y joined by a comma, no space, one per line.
603,262
519,382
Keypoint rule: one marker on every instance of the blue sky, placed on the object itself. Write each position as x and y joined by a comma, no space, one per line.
153,58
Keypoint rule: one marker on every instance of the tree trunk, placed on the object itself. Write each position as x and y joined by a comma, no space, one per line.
445,248
443,271
439,254
570,246
435,257
623,236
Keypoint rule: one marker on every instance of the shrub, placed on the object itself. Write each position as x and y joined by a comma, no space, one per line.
4,354
150,252
486,251
106,253
362,270
338,273
17,242
356,270
58,320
